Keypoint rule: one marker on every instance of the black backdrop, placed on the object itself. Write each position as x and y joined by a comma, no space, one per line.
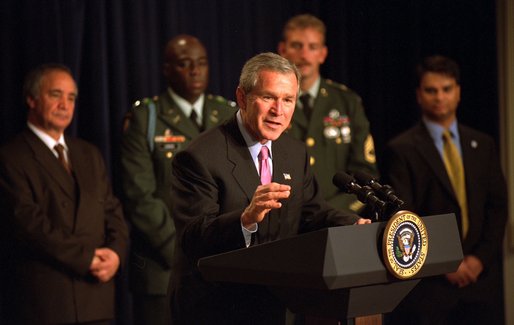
114,48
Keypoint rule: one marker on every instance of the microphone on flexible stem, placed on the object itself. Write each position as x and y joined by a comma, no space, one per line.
365,194
384,192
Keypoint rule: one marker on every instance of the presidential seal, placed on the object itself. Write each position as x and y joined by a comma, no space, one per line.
405,244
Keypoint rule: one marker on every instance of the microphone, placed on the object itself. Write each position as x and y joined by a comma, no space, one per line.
384,192
365,194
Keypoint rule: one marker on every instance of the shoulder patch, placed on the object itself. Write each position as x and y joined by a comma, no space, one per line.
369,150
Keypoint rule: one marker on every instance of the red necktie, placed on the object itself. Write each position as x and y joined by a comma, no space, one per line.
264,166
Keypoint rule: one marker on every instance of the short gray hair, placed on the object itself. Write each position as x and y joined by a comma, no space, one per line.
32,84
265,61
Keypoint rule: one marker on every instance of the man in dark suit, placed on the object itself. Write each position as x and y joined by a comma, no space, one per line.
415,167
224,201
156,129
64,233
331,119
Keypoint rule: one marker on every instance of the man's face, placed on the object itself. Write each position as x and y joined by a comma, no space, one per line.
267,110
187,69
306,49
52,109
438,96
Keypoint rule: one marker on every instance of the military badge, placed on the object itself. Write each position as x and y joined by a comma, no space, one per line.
168,141
405,244
331,132
335,125
346,134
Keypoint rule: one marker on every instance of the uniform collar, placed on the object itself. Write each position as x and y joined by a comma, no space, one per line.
313,91
186,106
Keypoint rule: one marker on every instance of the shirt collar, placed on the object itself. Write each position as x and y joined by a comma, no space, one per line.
186,106
47,140
436,130
313,91
253,145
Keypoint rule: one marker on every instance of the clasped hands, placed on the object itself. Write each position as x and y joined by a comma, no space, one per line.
104,265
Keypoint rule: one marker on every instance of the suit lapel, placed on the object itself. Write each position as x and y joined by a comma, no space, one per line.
48,162
79,163
244,171
281,172
173,116
470,158
425,146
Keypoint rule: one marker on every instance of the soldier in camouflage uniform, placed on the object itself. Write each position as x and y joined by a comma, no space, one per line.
331,121
155,130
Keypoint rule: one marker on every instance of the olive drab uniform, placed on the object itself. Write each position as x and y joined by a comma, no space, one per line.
155,129
337,138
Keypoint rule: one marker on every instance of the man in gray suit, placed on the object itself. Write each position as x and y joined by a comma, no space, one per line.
64,236
223,201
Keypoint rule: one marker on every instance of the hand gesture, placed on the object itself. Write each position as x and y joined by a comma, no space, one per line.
265,198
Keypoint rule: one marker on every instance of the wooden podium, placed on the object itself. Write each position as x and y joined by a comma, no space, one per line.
335,272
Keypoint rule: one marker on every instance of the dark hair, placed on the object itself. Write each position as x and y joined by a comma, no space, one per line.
438,64
32,82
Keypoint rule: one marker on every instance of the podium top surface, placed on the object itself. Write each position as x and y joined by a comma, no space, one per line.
331,258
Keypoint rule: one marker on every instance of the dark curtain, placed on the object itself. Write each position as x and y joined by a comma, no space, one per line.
114,48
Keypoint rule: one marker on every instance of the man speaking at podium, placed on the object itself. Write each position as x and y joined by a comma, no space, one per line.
240,184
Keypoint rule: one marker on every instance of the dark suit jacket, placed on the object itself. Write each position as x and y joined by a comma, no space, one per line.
416,171
213,181
146,184
52,226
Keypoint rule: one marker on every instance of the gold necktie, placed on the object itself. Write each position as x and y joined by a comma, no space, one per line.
455,169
